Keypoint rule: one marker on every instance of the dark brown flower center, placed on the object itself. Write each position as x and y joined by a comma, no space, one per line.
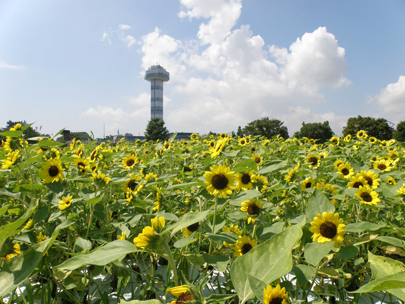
245,178
185,297
345,171
242,142
253,209
366,197
253,149
357,185
308,185
276,301
193,227
53,171
93,155
187,169
382,167
369,180
313,161
246,248
219,181
132,184
130,162
212,144
81,164
257,160
328,230
167,146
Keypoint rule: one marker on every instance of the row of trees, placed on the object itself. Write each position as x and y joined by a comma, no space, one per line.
27,133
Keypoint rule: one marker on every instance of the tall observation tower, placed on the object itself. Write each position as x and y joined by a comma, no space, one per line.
156,75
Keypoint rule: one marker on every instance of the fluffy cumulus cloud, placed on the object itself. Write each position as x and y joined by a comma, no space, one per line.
4,65
392,99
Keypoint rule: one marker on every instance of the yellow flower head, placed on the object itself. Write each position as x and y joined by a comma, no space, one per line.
276,295
314,160
345,171
158,223
362,134
328,228
129,161
219,181
100,177
52,171
179,290
367,195
244,180
401,190
244,245
307,183
122,236
257,159
65,202
252,208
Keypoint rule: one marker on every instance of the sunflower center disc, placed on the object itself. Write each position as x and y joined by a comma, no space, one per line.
246,248
357,185
245,178
345,171
382,167
53,171
328,230
253,209
313,160
185,297
308,185
193,227
257,160
132,184
130,162
366,197
276,301
219,181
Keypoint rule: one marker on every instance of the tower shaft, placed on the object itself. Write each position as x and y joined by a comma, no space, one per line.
156,98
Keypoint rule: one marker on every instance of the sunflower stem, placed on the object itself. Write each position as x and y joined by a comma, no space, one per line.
172,263
213,224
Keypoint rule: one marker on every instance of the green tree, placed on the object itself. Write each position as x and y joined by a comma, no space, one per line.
28,132
399,133
128,134
266,127
156,130
239,132
322,132
377,127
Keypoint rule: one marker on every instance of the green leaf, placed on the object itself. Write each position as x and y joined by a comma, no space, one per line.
266,262
257,287
390,240
318,203
363,226
41,214
228,237
184,241
218,298
101,256
273,167
347,252
220,261
231,154
187,220
315,252
245,196
383,266
141,302
8,230
18,269
3,210
385,283
244,165
303,273
82,244
7,194
185,185
49,143
12,133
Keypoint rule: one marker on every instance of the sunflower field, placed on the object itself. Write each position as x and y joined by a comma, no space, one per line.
207,220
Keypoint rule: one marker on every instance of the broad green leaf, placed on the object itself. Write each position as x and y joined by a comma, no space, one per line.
3,210
245,165
41,214
315,252
347,252
141,302
228,237
318,203
385,283
187,220
82,244
184,241
383,266
390,240
363,226
7,194
218,298
245,196
8,230
273,167
257,287
275,254
220,261
18,269
303,273
101,256
185,185
12,133
49,143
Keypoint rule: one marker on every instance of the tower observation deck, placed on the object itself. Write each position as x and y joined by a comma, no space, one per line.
156,74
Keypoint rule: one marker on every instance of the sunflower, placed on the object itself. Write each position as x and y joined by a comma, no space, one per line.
335,141
220,145
190,229
142,240
65,202
383,165
328,228
28,225
41,237
357,181
374,158
81,164
122,236
372,178
367,195
179,290
52,171
219,181
11,159
401,190
252,208
194,136
372,140
345,171
242,141
244,180
274,296
182,293
391,181
129,161
212,144
132,184
348,138
261,182
100,178
234,229
9,251
257,159
362,134
244,245
307,183
314,160
290,174
323,154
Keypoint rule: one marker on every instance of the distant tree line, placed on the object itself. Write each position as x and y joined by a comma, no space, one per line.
27,133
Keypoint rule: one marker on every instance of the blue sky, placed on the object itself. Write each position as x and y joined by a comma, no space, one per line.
80,64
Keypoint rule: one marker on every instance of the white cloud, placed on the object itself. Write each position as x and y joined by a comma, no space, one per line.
106,37
124,27
4,65
392,98
128,40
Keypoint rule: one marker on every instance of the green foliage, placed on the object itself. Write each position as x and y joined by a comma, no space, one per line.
399,133
28,132
156,130
266,127
377,127
322,132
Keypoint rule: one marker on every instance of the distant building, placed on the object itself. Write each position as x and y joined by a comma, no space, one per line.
156,74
